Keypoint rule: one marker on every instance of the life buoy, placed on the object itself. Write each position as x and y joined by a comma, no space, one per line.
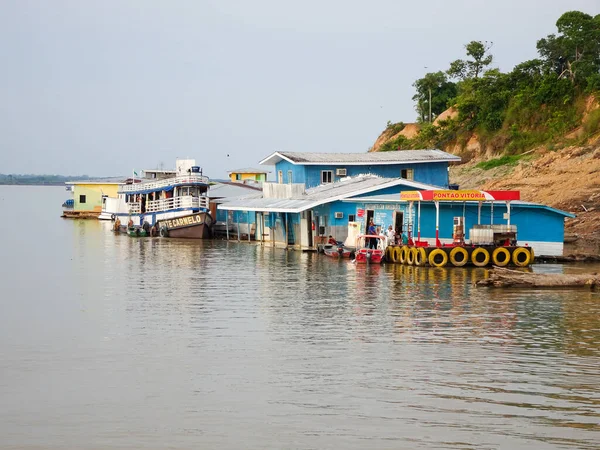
459,256
404,251
501,256
410,256
438,258
164,232
480,257
420,256
397,254
521,257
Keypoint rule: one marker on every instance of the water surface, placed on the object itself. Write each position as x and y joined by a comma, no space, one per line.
113,342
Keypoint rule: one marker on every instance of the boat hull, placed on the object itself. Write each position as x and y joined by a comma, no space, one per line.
192,226
337,252
372,256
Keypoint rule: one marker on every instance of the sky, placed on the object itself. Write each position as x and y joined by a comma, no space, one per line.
103,87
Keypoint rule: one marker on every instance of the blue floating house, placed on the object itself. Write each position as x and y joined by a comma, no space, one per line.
337,194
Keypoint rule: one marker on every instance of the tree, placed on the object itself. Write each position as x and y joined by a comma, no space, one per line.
434,86
575,52
472,68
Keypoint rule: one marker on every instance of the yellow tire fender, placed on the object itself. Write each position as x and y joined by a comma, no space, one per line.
420,256
438,258
480,257
501,256
410,256
396,254
459,256
521,257
404,250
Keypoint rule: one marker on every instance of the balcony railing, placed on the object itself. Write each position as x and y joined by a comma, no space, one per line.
158,184
165,204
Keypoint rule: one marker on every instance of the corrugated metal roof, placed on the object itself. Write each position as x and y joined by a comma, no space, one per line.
373,158
248,170
318,195
226,190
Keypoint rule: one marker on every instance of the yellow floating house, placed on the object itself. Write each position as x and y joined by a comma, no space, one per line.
88,196
248,175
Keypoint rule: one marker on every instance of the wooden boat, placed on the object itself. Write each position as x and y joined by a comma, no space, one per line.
174,206
193,226
365,254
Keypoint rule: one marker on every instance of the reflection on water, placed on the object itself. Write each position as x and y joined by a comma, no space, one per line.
127,343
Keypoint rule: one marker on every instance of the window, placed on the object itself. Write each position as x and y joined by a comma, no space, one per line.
326,176
238,176
280,177
351,218
82,199
407,174
289,177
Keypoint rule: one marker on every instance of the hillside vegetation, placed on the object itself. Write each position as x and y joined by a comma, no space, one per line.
546,101
535,129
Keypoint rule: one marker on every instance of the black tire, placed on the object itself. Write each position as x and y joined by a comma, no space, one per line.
164,232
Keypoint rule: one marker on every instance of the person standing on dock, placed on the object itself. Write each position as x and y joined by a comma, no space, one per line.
372,231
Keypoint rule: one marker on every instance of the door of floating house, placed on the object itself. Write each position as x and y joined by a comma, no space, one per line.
305,229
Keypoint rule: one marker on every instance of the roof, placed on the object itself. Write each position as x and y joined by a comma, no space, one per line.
159,171
316,196
248,170
228,190
111,180
372,158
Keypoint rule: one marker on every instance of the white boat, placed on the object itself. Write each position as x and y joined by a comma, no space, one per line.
169,203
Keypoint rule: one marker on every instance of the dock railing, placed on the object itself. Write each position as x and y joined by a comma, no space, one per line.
158,184
186,201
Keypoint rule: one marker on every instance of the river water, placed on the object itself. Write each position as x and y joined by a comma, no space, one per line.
110,342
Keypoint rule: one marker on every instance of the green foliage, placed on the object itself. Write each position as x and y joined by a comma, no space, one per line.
592,124
395,128
442,93
399,143
472,68
507,160
538,102
574,53
38,179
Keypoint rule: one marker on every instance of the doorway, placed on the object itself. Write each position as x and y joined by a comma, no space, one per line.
310,224
368,217
398,221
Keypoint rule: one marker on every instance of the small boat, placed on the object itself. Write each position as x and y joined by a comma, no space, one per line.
137,232
366,254
337,251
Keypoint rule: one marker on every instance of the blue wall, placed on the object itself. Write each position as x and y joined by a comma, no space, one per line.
298,172
533,223
429,173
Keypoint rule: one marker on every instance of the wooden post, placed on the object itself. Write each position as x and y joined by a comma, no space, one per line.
227,224
287,239
437,224
248,218
419,221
